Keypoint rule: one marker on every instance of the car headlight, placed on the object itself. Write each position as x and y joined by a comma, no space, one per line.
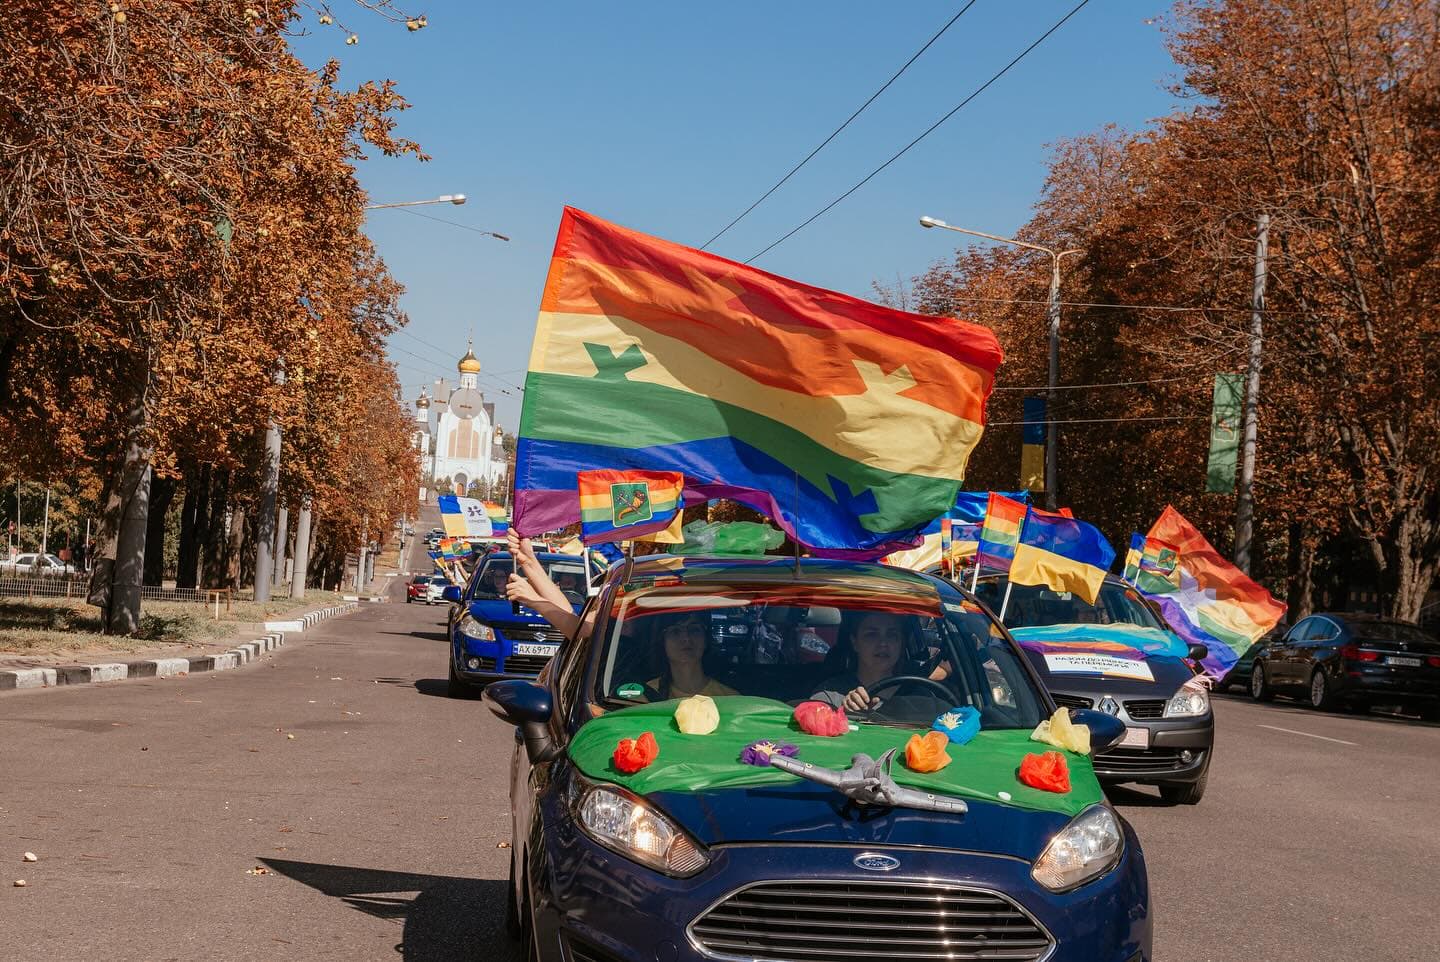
623,823
1088,847
1187,702
474,629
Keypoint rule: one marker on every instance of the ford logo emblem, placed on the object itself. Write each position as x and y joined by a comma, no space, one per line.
875,862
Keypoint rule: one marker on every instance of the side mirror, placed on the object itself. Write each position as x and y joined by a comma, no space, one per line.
1105,730
527,706
1198,652
452,593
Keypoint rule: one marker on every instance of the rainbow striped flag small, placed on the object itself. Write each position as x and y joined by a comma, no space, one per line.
627,505
1133,556
1000,533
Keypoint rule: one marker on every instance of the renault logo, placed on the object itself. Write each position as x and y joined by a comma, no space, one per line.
1109,706
875,862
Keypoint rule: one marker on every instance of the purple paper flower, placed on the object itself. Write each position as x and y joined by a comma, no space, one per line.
758,753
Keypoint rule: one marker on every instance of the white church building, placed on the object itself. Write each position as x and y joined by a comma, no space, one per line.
456,433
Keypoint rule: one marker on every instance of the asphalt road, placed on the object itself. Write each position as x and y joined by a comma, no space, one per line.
378,825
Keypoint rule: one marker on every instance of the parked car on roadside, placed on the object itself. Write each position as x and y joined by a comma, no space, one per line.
1344,660
1120,657
723,848
1239,674
42,565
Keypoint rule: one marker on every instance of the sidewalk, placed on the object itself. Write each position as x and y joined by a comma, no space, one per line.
159,661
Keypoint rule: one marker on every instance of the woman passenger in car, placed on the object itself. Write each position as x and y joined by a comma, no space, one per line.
871,648
682,639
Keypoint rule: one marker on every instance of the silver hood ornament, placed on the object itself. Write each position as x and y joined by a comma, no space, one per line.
868,782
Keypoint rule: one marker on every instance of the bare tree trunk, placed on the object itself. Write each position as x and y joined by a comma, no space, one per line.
120,548
185,561
237,544
162,492
202,523
1300,598
216,534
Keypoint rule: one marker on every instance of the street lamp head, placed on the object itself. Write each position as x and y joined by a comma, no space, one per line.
499,236
932,222
456,199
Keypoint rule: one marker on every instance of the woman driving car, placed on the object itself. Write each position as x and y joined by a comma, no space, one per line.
871,648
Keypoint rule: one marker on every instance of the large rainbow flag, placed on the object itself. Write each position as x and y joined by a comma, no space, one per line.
1206,599
848,423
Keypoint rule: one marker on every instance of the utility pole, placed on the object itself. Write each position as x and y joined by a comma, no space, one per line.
1245,501
360,557
265,520
302,549
45,525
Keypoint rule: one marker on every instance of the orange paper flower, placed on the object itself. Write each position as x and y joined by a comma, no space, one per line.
926,753
633,754
1047,772
818,718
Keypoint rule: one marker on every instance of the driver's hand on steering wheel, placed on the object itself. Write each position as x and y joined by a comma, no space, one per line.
858,699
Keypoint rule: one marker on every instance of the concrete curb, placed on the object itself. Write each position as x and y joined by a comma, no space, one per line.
241,654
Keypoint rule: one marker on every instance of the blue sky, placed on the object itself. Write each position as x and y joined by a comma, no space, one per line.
673,118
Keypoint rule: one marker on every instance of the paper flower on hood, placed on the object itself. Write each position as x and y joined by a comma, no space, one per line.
758,753
926,753
958,724
1060,731
697,715
633,754
818,718
1048,772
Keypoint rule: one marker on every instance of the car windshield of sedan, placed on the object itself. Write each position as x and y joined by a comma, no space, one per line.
795,643
1391,631
1035,607
567,575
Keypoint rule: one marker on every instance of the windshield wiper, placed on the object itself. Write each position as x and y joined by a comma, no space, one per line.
868,782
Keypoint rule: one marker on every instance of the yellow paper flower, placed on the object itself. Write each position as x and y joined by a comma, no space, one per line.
1060,731
697,715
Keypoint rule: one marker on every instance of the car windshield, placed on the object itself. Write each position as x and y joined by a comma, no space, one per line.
568,575
793,643
1035,607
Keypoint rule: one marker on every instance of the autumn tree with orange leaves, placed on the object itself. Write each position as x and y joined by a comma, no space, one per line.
179,217
1325,115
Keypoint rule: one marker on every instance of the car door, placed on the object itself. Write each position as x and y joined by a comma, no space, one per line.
1280,659
1324,637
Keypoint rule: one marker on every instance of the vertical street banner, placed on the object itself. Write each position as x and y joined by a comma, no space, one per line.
1224,434
1032,445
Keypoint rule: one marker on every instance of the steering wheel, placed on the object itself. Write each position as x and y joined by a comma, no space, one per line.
947,694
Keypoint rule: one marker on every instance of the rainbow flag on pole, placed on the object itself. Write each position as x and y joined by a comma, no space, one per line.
848,423
1000,532
1132,556
1206,599
626,505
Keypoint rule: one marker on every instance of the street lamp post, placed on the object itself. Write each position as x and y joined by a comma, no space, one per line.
1052,433
456,199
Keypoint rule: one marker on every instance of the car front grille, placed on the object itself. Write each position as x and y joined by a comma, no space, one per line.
1071,701
1146,709
901,921
520,631
1151,761
585,952
526,664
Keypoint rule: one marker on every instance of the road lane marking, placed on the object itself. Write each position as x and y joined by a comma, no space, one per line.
1292,731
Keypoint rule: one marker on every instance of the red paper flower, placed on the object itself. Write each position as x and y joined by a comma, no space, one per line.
1047,772
818,718
633,754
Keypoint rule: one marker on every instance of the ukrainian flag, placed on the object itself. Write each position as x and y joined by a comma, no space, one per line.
1062,554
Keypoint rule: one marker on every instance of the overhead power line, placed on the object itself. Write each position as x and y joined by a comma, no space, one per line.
1076,387
443,351
1168,417
931,129
834,133
456,223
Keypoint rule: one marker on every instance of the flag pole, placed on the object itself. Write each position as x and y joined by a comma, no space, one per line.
1005,602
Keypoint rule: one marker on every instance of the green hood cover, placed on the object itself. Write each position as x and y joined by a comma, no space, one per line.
694,763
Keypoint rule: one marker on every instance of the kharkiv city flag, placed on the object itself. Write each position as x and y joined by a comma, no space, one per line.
1206,599
626,505
848,423
1063,554
1000,533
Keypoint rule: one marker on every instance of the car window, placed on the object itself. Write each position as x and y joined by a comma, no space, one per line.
1390,631
1323,630
1032,606
1300,632
568,575
795,643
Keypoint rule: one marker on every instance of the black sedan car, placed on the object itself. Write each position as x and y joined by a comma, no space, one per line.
1120,657
1347,660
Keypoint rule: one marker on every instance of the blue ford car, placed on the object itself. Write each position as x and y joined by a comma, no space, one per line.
749,838
492,638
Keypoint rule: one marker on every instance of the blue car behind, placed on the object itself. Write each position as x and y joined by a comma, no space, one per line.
490,638
794,871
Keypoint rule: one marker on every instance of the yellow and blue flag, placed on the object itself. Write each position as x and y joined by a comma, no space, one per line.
1060,553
